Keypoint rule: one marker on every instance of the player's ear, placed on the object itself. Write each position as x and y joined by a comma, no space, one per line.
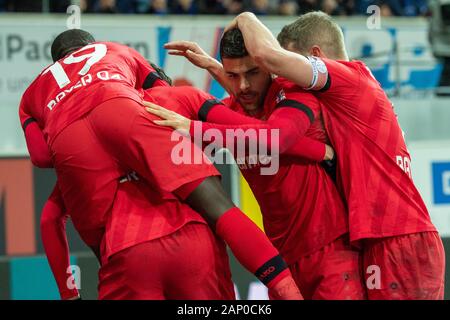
316,51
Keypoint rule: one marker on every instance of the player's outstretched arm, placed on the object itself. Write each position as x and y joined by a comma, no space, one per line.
198,57
34,137
54,240
291,125
304,148
267,52
37,146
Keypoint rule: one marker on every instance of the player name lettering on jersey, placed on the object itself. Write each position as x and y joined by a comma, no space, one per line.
405,164
280,96
103,75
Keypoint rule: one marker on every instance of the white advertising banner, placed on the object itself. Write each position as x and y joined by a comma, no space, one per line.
25,50
431,173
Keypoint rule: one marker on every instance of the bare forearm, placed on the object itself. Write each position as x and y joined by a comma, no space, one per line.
267,52
198,57
257,36
218,73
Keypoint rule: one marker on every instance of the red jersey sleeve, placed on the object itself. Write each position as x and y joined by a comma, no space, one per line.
25,112
307,148
339,82
146,75
54,240
197,102
300,100
304,147
34,137
37,146
292,118
334,77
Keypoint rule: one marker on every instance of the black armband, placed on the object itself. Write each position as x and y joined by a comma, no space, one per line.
272,268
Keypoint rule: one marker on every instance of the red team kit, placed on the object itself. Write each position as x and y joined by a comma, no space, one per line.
88,171
83,115
303,213
385,214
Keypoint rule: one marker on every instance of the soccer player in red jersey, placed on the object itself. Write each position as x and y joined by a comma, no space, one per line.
137,224
200,258
303,213
113,133
387,215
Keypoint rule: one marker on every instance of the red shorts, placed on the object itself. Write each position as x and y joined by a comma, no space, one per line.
117,137
331,273
189,264
408,267
139,214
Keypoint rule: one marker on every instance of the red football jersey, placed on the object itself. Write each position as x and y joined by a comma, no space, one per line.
374,168
301,206
188,101
77,83
138,213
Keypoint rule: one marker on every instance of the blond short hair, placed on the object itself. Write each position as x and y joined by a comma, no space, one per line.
314,28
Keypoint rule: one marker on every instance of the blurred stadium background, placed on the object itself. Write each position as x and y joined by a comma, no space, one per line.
409,54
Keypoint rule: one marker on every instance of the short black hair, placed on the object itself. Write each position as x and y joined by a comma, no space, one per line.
232,44
69,41
161,73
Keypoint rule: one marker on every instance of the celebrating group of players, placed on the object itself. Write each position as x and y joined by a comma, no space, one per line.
103,117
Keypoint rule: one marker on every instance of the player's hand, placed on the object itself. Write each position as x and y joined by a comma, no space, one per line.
170,118
193,52
329,162
232,25
329,153
235,22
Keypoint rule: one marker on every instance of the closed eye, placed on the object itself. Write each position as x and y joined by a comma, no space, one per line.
253,71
